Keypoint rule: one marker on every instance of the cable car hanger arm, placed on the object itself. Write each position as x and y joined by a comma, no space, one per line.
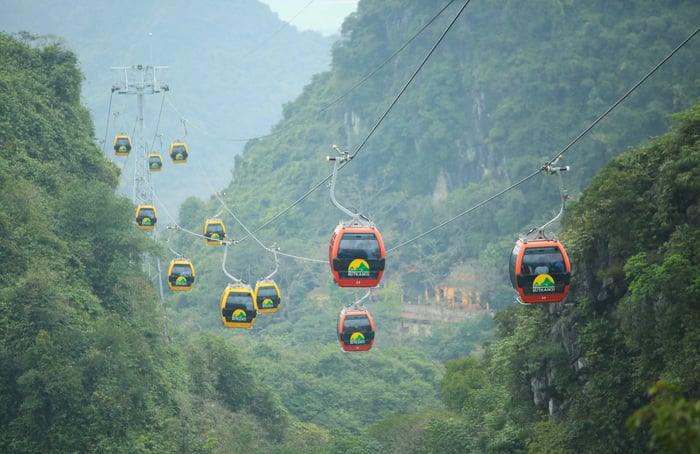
274,250
344,158
564,196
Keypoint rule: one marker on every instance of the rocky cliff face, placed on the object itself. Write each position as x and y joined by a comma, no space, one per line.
633,242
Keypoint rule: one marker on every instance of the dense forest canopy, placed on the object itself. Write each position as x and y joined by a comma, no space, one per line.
92,358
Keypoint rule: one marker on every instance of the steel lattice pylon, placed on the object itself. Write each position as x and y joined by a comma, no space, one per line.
141,80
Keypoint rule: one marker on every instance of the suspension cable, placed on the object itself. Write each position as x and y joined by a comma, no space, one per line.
410,79
374,128
548,164
109,113
622,98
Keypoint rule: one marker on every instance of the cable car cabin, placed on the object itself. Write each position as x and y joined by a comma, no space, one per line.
122,145
181,275
355,330
238,306
178,152
540,271
146,217
155,162
267,297
356,255
214,231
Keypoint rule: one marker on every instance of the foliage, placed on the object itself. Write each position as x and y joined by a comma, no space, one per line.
673,421
92,359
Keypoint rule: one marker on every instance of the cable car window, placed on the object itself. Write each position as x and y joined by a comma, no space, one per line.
542,260
267,292
357,323
146,213
240,299
214,231
182,270
513,264
359,245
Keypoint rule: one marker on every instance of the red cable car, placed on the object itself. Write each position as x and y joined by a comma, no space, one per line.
181,275
356,255
238,306
355,329
267,297
540,270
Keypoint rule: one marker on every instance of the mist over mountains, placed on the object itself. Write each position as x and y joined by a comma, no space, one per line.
230,66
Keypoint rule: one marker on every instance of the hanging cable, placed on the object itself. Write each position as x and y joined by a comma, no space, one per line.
284,25
549,163
374,128
410,79
357,305
622,98
223,267
385,62
160,113
340,97
109,112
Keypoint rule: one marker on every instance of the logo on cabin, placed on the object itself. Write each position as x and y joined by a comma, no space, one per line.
267,303
543,283
358,268
214,236
146,221
181,280
239,315
357,338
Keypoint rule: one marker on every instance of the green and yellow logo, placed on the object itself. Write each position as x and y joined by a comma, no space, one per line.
146,221
543,283
239,315
267,303
181,280
357,338
358,268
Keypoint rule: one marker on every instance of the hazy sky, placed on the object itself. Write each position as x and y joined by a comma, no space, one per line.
325,16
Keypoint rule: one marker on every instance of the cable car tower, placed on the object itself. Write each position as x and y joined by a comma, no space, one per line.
141,80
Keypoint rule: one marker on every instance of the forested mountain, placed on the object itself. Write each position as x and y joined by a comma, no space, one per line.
93,360
510,85
229,67
84,358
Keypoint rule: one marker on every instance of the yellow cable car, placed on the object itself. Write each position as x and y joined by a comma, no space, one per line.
122,145
214,231
267,297
181,275
238,306
179,152
146,217
155,162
